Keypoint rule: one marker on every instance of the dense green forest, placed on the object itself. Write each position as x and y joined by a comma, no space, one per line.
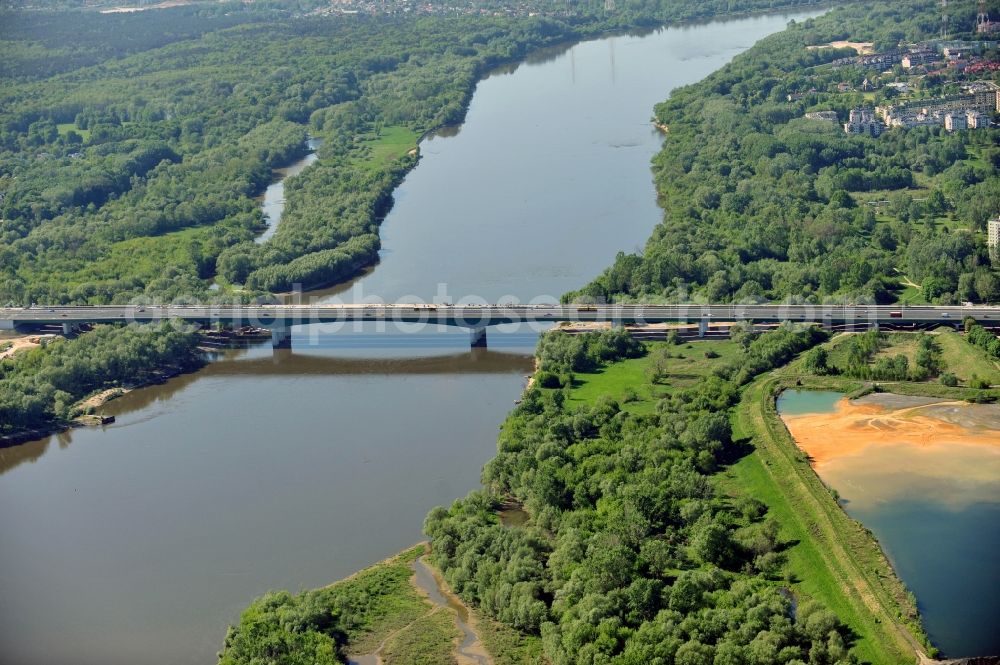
132,145
763,203
631,556
40,387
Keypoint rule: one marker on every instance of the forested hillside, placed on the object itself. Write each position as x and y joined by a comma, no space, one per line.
761,202
129,162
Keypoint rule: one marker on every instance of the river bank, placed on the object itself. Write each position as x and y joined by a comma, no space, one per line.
82,373
83,410
272,199
409,615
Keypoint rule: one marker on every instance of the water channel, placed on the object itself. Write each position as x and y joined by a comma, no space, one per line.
273,200
142,541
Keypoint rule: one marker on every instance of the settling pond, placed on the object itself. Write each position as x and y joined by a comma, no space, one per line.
924,476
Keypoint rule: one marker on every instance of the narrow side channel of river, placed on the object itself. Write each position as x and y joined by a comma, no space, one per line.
273,198
924,476
141,542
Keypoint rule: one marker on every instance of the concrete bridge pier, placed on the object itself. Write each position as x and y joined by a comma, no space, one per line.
281,337
477,338
702,327
70,328
6,325
827,322
279,356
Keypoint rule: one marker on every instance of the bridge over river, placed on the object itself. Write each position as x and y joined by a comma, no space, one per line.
477,317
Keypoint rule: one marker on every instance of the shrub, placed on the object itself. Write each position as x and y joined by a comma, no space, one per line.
549,380
978,382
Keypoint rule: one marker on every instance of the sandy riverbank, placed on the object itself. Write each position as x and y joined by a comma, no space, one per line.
432,585
862,48
22,344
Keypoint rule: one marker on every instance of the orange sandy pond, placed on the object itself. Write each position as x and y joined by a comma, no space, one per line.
924,475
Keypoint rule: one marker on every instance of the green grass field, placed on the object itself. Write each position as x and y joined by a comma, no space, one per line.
66,127
911,295
615,381
957,357
388,145
963,359
396,601
686,367
903,344
427,641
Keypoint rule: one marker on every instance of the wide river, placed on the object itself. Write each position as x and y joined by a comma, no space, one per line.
140,542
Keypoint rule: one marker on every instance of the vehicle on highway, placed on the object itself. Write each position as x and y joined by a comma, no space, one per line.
895,315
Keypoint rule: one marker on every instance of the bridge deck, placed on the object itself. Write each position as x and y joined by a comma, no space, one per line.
477,316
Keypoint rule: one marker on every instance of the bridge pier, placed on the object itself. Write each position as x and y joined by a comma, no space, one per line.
477,338
702,327
281,337
827,322
70,328
7,324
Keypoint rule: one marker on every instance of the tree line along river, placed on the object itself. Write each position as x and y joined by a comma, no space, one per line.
140,542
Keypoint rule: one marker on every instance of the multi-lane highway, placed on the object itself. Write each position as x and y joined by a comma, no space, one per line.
478,315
